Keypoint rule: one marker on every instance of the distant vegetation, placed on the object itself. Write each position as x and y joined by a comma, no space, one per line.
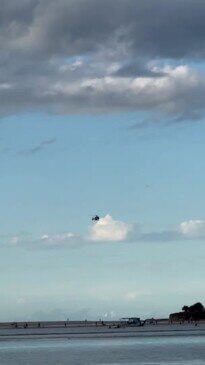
193,313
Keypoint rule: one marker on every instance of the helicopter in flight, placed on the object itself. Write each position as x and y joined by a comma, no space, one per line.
95,218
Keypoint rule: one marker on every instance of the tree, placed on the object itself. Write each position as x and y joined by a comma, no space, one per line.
197,307
185,308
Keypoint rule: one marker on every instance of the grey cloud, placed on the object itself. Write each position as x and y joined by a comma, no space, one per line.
32,151
48,141
161,28
135,69
52,53
164,236
136,235
41,146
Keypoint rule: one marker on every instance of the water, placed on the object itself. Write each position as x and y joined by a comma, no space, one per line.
152,350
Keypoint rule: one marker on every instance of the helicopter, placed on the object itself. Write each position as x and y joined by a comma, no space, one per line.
95,218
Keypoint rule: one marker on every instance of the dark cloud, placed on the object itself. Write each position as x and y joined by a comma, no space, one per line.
161,28
135,69
75,56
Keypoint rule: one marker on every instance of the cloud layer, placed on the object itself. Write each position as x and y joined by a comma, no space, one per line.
76,56
107,231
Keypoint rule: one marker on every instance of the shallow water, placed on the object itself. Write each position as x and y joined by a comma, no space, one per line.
175,350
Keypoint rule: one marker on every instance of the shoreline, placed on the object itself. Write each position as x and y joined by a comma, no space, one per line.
102,332
92,324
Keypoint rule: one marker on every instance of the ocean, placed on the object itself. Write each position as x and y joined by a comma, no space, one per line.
143,348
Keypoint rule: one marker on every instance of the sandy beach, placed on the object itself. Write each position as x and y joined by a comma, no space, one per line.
99,345
80,329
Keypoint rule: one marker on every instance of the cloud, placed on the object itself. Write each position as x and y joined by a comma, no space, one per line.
41,146
108,230
133,295
178,92
163,236
105,230
45,241
43,28
193,229
110,315
57,240
15,240
48,141
76,57
135,69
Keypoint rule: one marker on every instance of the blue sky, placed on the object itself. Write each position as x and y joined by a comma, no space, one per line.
99,118
152,177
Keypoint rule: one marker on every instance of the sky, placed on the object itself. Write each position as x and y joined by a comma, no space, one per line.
101,112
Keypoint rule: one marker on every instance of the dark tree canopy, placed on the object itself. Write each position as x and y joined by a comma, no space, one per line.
192,312
197,307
